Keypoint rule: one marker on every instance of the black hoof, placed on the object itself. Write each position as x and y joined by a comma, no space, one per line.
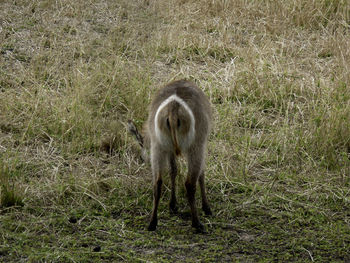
200,228
173,209
207,211
152,225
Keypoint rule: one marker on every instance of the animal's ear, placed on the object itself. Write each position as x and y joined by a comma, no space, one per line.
134,131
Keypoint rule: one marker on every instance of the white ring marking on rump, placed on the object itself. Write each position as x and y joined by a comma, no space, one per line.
174,97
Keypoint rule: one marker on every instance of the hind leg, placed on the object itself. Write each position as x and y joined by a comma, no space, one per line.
195,165
158,161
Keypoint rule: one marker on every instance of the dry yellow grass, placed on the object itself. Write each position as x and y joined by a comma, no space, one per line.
72,73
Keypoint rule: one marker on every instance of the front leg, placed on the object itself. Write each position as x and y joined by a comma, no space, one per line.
205,203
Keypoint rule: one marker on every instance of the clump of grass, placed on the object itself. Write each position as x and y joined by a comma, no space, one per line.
10,197
9,194
114,140
329,137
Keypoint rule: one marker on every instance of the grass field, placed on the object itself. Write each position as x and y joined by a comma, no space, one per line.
73,187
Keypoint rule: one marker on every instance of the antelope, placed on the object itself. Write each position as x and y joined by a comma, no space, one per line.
179,123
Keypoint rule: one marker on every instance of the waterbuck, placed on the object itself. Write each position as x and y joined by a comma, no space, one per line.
179,124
